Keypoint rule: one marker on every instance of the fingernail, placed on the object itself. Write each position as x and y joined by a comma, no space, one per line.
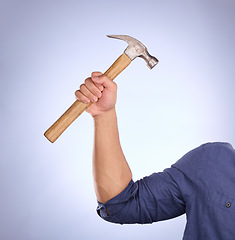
87,100
94,99
101,88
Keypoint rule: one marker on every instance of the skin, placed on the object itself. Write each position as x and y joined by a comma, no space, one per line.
111,172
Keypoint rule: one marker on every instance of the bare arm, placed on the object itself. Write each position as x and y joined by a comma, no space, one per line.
111,172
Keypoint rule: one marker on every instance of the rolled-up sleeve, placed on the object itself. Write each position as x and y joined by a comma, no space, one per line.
153,198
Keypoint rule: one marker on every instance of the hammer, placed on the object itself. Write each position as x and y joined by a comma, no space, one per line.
135,49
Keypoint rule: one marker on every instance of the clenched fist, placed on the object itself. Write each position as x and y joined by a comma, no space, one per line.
101,91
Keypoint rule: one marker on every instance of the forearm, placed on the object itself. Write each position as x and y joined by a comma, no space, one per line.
110,170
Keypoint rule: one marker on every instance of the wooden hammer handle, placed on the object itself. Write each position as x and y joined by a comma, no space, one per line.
78,107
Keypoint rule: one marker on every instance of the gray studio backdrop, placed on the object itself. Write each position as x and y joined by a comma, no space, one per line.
47,49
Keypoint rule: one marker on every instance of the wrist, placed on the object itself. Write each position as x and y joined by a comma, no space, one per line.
105,117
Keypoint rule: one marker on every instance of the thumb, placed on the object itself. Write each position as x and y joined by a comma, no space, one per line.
99,78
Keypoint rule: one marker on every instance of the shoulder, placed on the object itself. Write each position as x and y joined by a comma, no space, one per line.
205,155
223,145
217,168
218,152
218,145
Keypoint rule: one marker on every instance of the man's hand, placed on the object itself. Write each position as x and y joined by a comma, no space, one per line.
101,91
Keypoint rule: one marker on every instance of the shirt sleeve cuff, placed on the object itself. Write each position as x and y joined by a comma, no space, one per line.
108,210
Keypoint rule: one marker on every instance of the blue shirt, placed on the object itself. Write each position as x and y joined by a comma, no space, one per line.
201,184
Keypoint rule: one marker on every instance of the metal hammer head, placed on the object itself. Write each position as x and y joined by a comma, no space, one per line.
136,49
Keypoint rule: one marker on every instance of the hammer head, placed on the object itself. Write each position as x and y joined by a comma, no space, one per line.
136,49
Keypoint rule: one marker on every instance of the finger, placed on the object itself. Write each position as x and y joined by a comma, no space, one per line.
93,88
97,74
104,80
81,97
87,93
100,87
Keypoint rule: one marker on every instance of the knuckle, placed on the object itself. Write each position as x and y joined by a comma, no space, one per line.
81,97
96,74
87,81
105,77
108,78
115,86
82,86
77,94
